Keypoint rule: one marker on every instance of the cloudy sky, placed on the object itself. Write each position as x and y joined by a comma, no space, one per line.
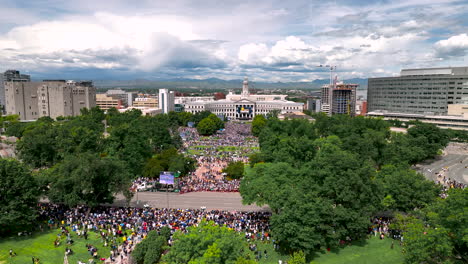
267,40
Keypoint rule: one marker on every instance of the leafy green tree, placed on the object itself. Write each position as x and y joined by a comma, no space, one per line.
96,114
149,251
79,135
424,244
206,127
8,120
451,213
88,179
259,122
181,118
115,118
184,118
16,129
256,158
438,233
168,160
429,137
318,203
207,243
457,135
38,146
197,117
218,122
127,142
19,194
402,150
297,258
406,188
235,169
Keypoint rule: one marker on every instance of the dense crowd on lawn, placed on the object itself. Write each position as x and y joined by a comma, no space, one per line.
128,226
213,156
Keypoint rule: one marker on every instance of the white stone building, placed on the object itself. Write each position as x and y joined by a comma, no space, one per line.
245,106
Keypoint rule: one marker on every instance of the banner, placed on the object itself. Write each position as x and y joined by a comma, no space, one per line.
166,177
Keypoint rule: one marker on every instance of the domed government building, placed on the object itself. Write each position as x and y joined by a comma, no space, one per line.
245,106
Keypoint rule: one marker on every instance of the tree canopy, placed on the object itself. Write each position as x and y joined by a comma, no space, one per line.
207,243
149,251
168,160
324,180
258,123
19,194
438,233
407,189
235,170
206,127
88,179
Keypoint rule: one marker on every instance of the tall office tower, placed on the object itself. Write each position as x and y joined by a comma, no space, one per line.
343,99
166,100
10,76
53,98
419,91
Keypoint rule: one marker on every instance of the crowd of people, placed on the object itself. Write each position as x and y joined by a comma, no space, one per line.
194,184
213,154
447,183
121,228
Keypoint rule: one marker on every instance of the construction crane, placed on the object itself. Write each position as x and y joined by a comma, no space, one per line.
331,87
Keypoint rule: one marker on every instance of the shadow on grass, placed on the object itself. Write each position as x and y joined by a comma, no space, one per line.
336,250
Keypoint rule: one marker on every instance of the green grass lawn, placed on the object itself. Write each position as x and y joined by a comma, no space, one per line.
41,245
371,251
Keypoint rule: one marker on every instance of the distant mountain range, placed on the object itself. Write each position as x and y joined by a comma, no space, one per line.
217,84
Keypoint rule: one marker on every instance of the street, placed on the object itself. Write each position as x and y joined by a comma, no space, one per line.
229,201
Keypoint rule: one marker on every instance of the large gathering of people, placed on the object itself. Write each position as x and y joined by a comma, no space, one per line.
447,183
213,154
121,228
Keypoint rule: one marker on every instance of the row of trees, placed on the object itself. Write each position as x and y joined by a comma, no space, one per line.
325,180
86,159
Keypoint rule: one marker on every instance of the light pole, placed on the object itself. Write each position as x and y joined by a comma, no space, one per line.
331,86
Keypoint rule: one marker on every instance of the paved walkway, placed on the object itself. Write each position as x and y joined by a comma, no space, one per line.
455,163
194,200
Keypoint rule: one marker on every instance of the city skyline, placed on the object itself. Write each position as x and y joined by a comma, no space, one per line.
267,40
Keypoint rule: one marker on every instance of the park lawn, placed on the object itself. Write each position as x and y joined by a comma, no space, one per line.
371,251
41,246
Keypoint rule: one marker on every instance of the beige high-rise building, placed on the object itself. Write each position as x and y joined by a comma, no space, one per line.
106,102
53,98
146,102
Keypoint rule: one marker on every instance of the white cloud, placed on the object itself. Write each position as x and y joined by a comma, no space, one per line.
151,41
253,53
455,46
269,39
